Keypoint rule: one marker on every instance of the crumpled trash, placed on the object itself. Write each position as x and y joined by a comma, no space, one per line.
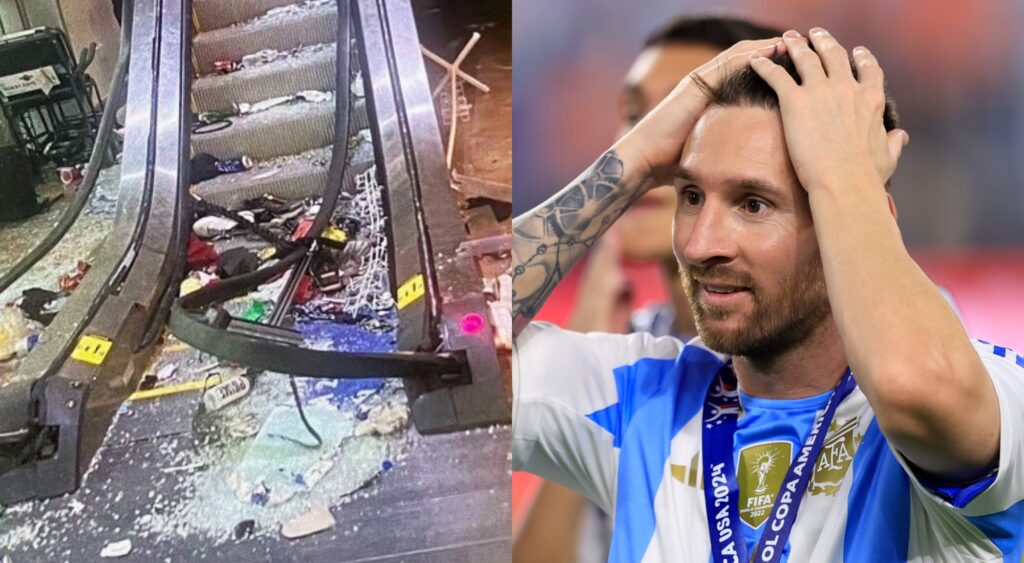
68,281
14,334
384,419
117,549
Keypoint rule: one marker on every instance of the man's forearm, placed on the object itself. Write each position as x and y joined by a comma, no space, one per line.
904,343
551,238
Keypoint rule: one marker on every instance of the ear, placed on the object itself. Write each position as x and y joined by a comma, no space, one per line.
892,206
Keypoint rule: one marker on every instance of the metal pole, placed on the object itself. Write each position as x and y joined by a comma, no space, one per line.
22,13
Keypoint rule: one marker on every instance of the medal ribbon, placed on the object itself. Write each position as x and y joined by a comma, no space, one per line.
721,491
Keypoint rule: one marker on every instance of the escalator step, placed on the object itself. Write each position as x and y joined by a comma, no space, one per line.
306,71
310,26
279,131
291,178
215,14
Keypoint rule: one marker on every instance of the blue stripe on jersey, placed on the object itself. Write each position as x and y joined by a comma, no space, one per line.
654,407
635,385
878,513
1004,529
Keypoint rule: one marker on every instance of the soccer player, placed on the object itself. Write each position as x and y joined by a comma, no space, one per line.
833,407
562,526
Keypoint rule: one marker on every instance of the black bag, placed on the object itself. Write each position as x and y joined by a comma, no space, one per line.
17,185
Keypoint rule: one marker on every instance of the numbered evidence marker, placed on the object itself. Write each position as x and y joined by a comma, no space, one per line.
91,349
411,290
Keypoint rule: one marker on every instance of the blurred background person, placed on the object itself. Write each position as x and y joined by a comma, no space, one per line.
563,526
959,66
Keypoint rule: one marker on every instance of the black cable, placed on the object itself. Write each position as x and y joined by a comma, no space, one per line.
302,415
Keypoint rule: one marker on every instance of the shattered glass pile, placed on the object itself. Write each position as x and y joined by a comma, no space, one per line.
25,316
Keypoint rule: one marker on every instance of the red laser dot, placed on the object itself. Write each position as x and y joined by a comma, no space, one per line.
472,323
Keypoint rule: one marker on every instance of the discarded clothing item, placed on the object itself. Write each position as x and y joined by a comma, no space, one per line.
204,167
117,549
317,519
236,262
200,254
35,303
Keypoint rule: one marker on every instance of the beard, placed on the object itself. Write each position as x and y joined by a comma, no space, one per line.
782,317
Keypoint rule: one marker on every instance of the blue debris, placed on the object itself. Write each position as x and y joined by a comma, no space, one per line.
260,496
387,465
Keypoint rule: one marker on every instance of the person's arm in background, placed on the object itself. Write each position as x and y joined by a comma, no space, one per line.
551,538
604,299
549,240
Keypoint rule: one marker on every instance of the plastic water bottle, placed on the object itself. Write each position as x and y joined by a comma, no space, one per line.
227,392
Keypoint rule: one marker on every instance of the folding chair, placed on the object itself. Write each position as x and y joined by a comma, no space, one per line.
51,104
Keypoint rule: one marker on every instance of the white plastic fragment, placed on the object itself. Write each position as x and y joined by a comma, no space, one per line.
166,371
117,549
384,419
317,519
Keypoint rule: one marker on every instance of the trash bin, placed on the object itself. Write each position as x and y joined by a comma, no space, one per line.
17,185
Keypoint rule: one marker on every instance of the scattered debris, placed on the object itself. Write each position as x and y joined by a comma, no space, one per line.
384,419
227,392
166,371
243,426
117,549
189,467
68,281
317,519
244,529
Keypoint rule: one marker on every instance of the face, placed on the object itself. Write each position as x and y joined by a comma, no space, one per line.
645,228
744,236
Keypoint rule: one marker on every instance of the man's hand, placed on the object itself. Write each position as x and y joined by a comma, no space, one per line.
833,121
904,344
656,142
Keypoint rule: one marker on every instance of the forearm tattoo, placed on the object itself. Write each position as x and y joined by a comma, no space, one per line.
549,240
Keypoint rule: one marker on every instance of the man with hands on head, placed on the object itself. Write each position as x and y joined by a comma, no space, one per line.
833,407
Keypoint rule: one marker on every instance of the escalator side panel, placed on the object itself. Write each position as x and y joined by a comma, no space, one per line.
427,228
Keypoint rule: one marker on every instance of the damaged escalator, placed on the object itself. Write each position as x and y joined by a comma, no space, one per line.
290,208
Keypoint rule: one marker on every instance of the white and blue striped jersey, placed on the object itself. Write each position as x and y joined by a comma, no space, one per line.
618,419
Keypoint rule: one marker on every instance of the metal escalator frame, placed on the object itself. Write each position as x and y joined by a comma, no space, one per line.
254,344
65,413
453,376
408,143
